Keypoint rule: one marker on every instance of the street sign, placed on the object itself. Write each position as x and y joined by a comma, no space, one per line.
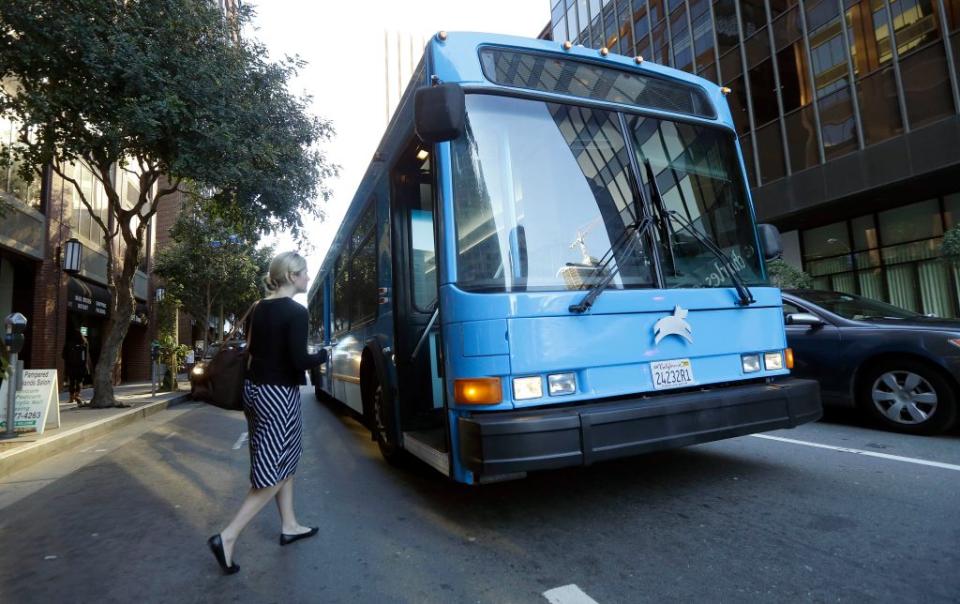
37,403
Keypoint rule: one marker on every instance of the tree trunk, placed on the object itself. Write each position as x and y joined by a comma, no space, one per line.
117,325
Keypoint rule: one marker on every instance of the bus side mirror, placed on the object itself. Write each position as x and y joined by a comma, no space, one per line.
439,113
770,241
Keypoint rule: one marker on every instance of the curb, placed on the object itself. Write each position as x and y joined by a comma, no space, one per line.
22,457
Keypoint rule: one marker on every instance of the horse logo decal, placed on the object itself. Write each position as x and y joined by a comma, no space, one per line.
673,325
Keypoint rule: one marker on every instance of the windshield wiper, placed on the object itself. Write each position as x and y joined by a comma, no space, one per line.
632,237
743,292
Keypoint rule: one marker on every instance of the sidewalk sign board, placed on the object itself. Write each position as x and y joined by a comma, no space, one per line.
37,403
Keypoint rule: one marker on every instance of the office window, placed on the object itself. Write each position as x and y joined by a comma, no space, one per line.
708,71
661,44
753,15
764,91
951,209
698,8
914,23
829,59
641,26
820,12
926,85
953,13
828,240
869,36
837,125
911,223
682,50
778,7
725,13
758,48
770,152
737,99
731,67
703,41
656,11
864,233
802,138
625,21
879,106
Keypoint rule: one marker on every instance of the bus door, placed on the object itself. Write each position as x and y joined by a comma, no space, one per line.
415,298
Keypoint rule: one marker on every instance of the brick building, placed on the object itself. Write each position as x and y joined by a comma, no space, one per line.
41,219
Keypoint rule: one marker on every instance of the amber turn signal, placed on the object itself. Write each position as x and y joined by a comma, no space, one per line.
788,356
478,391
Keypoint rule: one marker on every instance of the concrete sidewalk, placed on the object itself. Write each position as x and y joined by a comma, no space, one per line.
82,424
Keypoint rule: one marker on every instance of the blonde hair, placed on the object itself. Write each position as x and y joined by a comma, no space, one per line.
282,267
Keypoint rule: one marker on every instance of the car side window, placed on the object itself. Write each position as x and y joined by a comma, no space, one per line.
790,309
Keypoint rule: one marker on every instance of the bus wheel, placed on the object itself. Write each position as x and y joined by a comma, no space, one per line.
383,430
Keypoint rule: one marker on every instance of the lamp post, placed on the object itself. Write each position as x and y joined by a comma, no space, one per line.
72,255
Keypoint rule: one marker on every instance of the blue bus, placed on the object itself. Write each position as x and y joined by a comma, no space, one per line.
553,260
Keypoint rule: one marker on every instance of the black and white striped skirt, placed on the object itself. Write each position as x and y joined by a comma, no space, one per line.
275,427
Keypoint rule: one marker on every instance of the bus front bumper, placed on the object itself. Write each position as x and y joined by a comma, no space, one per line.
539,439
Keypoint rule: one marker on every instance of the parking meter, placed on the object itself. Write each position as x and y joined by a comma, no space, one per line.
14,338
154,351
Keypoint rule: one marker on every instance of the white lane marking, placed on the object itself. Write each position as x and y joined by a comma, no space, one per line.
169,435
568,594
240,440
913,460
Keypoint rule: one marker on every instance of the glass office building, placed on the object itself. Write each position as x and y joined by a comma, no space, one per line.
848,114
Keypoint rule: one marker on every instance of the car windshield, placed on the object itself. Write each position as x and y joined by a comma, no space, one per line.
542,190
857,308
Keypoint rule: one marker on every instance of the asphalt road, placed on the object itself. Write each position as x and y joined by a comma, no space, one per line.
125,519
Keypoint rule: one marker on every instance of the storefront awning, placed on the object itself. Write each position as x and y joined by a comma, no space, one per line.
87,298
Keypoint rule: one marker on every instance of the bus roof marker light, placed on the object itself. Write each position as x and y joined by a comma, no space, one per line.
604,51
567,45
442,36
638,59
725,90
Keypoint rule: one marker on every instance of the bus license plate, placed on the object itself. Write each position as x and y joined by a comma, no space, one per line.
671,374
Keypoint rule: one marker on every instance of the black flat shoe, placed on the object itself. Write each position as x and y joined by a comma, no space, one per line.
286,539
216,546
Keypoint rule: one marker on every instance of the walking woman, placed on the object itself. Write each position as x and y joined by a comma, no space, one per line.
277,332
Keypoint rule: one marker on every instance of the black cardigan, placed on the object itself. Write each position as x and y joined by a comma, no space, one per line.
278,332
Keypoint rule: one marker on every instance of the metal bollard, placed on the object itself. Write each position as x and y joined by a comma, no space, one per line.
15,324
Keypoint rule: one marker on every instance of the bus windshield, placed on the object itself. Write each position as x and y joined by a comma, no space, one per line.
543,190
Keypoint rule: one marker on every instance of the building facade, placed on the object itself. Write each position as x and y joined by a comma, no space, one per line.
848,116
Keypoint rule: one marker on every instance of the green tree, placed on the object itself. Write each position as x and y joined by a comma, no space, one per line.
950,248
210,267
786,276
157,88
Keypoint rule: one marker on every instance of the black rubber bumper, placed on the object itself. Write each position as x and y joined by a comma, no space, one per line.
520,441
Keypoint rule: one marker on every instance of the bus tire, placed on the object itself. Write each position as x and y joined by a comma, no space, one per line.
384,429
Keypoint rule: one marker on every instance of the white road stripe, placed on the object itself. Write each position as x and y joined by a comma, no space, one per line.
568,594
913,460
240,440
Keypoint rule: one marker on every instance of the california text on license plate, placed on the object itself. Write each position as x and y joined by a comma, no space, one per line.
671,374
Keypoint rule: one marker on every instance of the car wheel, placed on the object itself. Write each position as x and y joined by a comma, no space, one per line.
908,396
383,430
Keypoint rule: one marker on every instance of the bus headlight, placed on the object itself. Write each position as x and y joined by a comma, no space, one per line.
527,388
561,384
751,363
773,361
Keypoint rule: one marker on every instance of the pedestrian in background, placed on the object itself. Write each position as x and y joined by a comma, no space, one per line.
277,332
76,360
